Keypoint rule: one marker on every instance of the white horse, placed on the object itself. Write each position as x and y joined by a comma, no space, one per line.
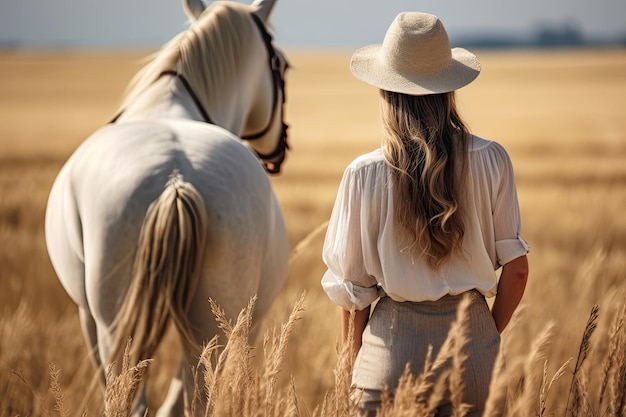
169,205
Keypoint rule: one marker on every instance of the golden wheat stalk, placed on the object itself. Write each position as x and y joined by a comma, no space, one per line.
528,381
121,389
205,365
231,383
547,386
233,372
343,374
577,388
617,406
275,354
55,387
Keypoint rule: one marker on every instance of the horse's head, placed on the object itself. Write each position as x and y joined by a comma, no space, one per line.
262,127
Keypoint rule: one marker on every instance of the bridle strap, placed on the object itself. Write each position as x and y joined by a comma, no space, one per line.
274,65
193,95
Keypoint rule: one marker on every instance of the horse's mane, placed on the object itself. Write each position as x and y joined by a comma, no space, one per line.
204,54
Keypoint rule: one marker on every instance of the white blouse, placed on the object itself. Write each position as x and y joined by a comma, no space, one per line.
362,253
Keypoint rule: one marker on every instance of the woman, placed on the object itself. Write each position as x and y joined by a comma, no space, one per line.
423,221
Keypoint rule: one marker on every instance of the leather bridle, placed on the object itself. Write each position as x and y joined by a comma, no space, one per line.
271,161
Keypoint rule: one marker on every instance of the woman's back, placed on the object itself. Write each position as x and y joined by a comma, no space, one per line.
491,238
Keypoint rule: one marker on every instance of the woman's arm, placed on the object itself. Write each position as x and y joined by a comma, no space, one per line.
361,318
510,290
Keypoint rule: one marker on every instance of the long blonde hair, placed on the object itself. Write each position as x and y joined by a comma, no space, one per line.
426,145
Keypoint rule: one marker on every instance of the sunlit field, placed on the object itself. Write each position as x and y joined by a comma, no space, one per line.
560,114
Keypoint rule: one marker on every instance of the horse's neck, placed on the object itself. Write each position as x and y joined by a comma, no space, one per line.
168,97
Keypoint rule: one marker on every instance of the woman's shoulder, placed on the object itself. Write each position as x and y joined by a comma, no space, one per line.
487,148
369,159
367,168
489,158
479,144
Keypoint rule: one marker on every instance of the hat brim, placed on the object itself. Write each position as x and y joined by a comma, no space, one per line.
368,65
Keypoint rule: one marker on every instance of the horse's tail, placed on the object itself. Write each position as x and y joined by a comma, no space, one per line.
165,273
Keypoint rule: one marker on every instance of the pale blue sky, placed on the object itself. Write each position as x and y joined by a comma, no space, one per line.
321,23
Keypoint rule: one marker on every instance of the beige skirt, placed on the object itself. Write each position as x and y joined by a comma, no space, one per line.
400,333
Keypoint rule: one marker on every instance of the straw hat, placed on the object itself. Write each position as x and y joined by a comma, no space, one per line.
415,58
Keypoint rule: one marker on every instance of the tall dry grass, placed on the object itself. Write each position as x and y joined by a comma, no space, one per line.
562,123
232,385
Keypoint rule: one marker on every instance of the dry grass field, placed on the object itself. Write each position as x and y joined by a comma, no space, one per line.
561,115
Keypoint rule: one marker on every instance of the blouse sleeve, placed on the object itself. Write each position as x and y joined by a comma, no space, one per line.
346,282
507,224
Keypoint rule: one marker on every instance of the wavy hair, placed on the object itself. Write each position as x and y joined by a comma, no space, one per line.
426,146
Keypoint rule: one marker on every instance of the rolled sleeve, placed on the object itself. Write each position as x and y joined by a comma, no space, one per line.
510,249
346,294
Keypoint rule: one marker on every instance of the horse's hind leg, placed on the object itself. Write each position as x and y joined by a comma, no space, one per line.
184,387
174,403
100,340
90,332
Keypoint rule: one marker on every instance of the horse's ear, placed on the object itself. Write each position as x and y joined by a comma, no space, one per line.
263,8
193,9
